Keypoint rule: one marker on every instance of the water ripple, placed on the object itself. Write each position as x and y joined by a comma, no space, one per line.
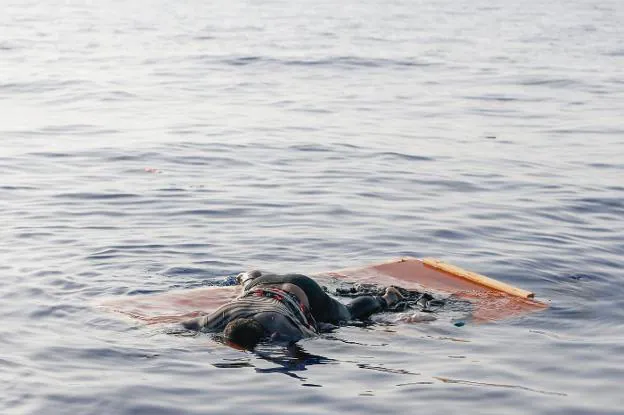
147,149
353,62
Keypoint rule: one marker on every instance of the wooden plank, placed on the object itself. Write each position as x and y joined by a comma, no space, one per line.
478,278
491,300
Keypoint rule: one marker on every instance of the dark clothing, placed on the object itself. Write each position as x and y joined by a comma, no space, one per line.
270,302
324,308
290,301
281,312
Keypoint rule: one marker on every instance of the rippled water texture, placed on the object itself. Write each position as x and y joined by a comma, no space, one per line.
149,145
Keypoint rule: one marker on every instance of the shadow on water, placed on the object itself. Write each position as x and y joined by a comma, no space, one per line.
292,358
289,359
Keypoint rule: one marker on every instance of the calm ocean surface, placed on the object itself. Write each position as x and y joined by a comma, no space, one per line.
151,145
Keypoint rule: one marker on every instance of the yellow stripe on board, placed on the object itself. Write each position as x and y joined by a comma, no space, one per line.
477,278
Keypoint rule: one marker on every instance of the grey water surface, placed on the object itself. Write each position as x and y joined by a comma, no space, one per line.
147,146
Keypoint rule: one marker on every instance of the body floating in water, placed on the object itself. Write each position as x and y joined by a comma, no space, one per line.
288,308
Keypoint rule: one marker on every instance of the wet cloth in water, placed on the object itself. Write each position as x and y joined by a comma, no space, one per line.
324,308
290,300
411,299
256,301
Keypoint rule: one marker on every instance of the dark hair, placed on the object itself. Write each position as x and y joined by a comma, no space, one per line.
244,332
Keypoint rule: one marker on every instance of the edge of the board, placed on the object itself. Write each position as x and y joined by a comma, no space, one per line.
477,278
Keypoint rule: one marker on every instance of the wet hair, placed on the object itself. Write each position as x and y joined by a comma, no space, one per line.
244,332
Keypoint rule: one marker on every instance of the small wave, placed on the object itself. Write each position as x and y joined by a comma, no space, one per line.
222,213
105,254
503,98
210,161
38,87
244,60
115,354
141,247
138,156
585,131
114,95
337,61
8,187
61,310
144,292
51,154
457,185
176,271
391,155
497,385
617,52
68,129
353,61
552,82
96,196
383,369
449,235
311,148
613,205
606,166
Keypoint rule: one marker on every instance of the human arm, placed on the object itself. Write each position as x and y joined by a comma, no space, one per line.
196,323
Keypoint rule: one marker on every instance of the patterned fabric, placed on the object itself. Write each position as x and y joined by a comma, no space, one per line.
257,301
290,300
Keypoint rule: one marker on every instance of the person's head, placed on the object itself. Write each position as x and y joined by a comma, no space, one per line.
244,332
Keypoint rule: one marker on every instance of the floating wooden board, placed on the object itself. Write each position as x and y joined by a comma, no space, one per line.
491,299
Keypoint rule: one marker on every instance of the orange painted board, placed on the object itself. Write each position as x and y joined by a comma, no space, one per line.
488,303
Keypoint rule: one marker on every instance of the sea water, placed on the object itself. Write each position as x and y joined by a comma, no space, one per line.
147,146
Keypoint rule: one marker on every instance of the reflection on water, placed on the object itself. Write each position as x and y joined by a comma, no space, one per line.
288,359
496,385
293,358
